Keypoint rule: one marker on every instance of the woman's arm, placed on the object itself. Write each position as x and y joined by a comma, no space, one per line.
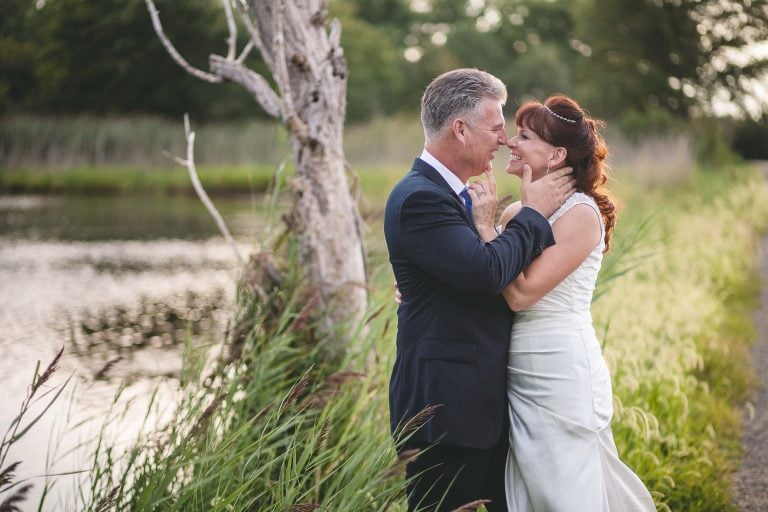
509,213
577,232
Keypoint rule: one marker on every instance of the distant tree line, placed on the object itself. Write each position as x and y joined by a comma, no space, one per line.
657,61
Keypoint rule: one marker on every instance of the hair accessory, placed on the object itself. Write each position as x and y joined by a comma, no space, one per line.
572,121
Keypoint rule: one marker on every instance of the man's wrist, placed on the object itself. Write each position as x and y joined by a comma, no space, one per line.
487,233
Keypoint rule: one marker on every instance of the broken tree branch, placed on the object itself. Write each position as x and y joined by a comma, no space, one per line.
244,11
252,81
181,61
232,28
189,163
246,51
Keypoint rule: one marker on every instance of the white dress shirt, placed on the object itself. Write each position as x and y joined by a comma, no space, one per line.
451,179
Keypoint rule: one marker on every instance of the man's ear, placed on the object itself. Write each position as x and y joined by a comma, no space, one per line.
459,129
558,158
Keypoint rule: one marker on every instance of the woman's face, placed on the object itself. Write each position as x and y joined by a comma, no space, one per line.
528,148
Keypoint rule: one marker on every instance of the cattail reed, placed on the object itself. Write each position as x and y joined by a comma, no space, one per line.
305,507
297,389
472,506
7,474
13,501
108,501
47,373
420,418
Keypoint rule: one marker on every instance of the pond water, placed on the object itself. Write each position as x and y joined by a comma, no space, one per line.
120,283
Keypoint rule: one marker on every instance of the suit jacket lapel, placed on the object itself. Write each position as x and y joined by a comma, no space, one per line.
427,170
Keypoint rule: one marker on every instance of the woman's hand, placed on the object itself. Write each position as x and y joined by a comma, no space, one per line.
398,295
484,203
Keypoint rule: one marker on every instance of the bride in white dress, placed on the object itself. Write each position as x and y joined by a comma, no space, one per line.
562,455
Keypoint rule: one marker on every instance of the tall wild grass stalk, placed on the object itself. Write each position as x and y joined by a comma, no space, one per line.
13,492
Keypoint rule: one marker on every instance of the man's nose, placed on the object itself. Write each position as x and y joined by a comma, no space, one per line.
503,137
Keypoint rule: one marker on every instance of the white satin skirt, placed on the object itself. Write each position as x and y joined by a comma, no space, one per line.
562,456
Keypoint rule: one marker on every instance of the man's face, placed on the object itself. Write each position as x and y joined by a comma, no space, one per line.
484,136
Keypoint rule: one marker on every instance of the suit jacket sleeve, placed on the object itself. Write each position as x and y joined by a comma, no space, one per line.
437,237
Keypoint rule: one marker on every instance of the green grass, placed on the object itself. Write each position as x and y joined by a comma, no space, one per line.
116,180
678,328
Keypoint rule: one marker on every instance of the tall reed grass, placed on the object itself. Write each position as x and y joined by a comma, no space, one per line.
280,428
90,155
653,162
676,332
140,142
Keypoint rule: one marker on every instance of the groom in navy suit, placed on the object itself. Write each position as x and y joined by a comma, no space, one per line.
453,324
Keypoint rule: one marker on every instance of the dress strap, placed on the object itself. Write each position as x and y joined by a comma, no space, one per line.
578,198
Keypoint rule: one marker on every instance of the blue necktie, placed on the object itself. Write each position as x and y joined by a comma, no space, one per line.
467,200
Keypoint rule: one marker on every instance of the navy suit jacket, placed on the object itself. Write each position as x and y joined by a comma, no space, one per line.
453,325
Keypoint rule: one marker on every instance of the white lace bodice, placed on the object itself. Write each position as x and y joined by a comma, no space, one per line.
574,293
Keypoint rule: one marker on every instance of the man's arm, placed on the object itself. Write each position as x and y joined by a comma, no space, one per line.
436,237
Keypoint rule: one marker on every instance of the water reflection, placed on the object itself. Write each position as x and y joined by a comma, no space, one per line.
121,331
146,217
123,283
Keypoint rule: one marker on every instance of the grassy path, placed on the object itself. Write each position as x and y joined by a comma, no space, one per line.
751,489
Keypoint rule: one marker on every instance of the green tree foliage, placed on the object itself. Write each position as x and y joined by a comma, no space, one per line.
376,63
673,54
657,59
103,57
527,47
749,138
17,54
524,42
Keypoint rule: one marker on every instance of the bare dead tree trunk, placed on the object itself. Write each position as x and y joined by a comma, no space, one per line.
303,54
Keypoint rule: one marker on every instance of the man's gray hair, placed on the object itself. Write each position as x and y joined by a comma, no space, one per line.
457,93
